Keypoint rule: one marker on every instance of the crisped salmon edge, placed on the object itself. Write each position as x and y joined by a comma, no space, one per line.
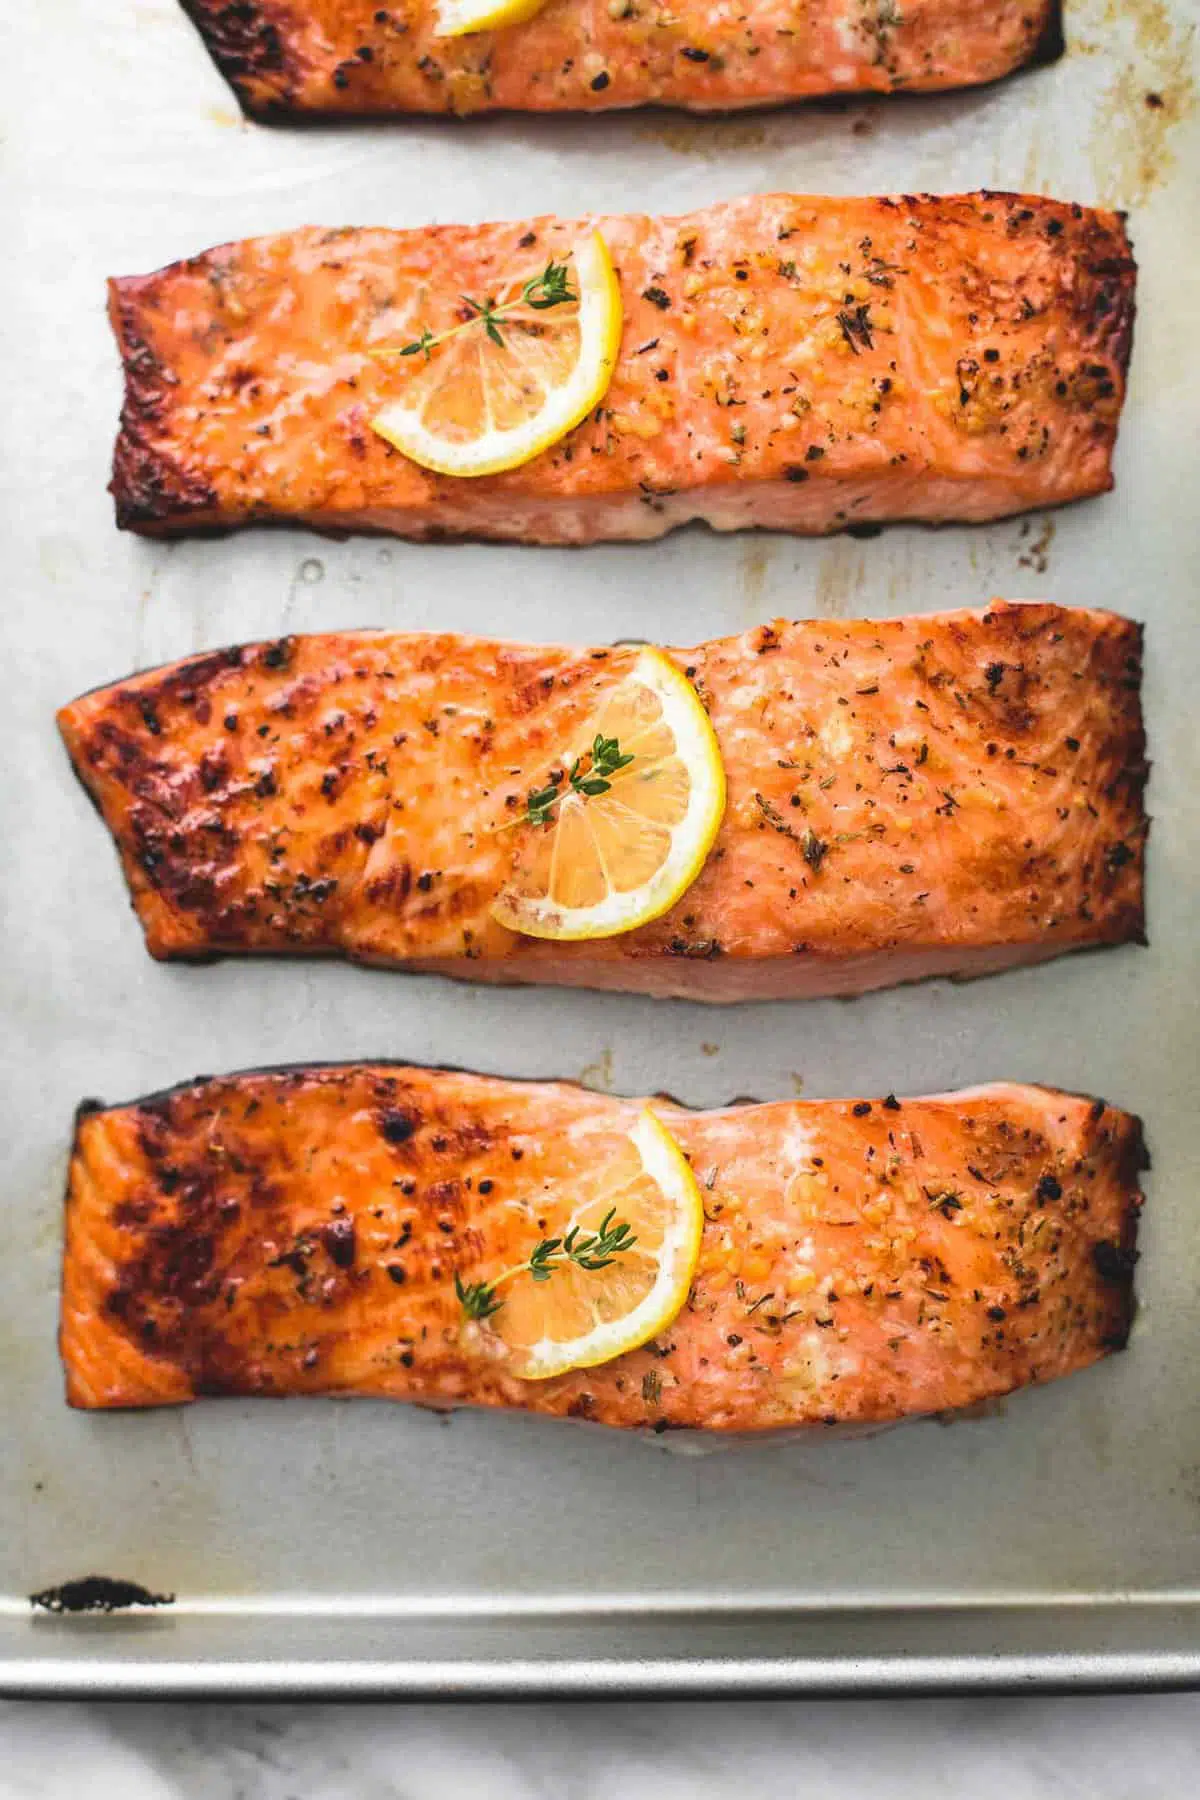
254,56
1133,1159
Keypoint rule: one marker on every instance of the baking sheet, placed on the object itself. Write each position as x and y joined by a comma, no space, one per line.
359,1546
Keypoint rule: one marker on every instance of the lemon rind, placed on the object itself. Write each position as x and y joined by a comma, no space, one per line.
457,18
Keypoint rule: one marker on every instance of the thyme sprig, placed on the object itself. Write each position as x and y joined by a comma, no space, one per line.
551,288
589,1250
588,776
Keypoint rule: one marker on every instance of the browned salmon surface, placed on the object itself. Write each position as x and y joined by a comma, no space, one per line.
806,364
286,57
943,794
298,1232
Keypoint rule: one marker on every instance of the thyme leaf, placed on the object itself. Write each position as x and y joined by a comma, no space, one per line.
476,1298
550,288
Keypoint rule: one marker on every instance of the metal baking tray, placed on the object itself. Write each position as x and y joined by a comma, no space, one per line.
360,1547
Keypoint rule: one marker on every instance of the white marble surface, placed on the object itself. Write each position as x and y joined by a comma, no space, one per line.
1124,1748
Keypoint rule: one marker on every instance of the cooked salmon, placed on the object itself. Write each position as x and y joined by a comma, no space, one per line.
811,365
289,57
299,1232
949,794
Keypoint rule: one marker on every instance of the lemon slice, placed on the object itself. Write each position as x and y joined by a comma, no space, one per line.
575,1317
498,388
592,864
455,18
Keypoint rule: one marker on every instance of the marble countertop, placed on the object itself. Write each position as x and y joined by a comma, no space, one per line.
1123,1748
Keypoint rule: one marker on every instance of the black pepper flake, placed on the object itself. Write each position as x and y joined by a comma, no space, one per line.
794,472
996,1313
397,1273
891,1104
814,850
856,326
861,1108
486,1185
600,81
657,297
694,55
339,1240
814,453
1048,1188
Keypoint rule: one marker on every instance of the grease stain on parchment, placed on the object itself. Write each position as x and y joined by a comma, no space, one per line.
1130,143
1035,551
841,575
598,1074
704,137
752,573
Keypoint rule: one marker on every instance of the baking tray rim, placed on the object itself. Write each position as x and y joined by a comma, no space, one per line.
585,1679
1161,1652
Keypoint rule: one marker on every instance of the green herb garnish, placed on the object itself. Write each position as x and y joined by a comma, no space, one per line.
587,1250
603,760
551,288
476,1298
590,1250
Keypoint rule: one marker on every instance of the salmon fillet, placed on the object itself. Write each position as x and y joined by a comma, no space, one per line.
288,57
298,1231
810,365
933,795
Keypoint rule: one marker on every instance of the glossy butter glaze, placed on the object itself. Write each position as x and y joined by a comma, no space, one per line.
299,1231
939,794
792,362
